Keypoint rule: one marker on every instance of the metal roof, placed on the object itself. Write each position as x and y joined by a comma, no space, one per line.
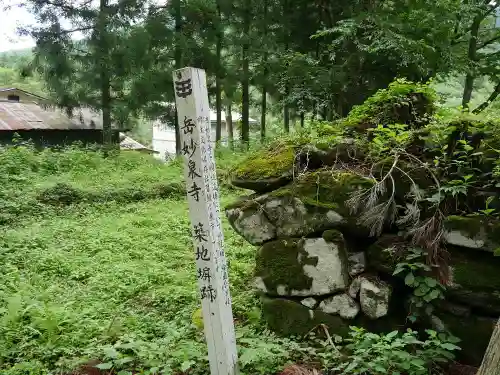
9,89
31,116
128,143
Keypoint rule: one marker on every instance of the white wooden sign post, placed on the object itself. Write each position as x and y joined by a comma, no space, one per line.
193,114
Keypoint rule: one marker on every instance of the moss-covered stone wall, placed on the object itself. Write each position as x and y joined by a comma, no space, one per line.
334,216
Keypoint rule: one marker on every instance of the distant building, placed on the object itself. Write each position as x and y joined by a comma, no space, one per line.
18,95
164,134
29,116
129,144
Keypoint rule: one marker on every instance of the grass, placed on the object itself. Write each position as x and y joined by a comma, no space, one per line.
112,282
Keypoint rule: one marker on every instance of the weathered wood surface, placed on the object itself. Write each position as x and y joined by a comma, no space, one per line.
204,210
491,359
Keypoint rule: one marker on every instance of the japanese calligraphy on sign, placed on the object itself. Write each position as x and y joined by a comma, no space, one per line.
204,210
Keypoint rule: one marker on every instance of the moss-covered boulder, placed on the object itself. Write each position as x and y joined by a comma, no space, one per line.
480,233
266,170
401,103
288,317
313,203
474,276
474,333
326,188
302,267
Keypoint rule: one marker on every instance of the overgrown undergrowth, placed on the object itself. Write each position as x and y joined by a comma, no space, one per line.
111,280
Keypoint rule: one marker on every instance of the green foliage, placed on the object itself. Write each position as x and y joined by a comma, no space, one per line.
111,281
395,353
402,102
426,289
387,138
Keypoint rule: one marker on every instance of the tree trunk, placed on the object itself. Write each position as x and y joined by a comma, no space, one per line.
491,359
491,98
245,126
302,119
229,125
472,56
263,114
286,109
264,83
218,88
107,131
178,65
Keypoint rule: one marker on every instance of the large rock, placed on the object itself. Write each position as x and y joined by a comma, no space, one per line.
292,318
293,219
340,304
251,223
289,317
474,275
473,232
302,267
474,333
266,170
374,296
313,203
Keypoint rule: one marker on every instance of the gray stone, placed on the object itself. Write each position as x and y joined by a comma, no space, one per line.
355,287
252,224
357,263
374,297
302,268
478,233
341,305
309,302
264,185
293,219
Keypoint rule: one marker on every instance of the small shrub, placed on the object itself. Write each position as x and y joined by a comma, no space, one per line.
394,353
61,194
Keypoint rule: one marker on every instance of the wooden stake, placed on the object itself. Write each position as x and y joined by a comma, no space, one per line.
197,151
491,359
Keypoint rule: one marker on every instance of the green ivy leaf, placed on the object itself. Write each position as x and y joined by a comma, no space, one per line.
434,294
430,282
186,365
449,346
410,279
104,366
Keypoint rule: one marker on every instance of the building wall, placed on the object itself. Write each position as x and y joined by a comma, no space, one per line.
164,138
55,138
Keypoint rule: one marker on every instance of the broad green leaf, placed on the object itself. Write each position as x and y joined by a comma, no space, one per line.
409,279
104,366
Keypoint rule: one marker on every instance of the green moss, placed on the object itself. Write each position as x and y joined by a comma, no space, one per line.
386,253
478,228
288,317
278,263
475,270
291,318
272,162
470,226
402,102
474,332
326,188
333,236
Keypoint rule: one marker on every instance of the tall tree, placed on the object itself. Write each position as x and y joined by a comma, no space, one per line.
91,72
178,64
245,81
481,35
218,73
265,54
